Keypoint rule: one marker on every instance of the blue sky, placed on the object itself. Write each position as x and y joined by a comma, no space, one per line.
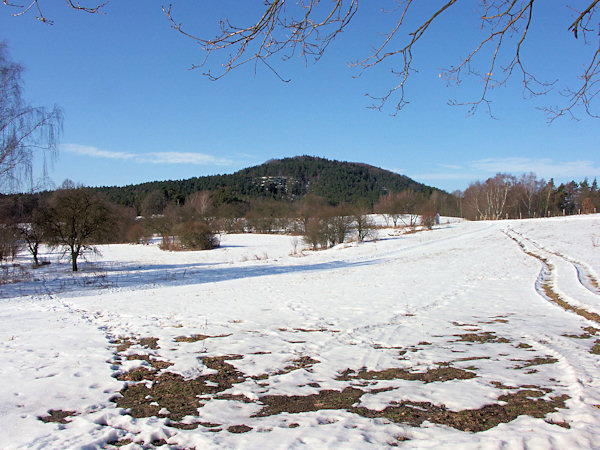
134,111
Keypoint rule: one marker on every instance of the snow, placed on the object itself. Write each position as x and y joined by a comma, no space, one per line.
404,301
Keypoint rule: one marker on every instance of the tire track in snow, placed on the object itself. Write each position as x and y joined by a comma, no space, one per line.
545,287
393,254
585,274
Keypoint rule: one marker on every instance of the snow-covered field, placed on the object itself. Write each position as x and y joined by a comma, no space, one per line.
475,334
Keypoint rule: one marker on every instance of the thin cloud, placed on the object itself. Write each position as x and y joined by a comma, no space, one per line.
484,168
444,176
185,158
152,158
542,167
450,166
95,152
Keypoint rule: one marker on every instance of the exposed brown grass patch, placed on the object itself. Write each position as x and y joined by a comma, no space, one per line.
155,363
239,428
509,407
304,362
523,345
524,402
124,344
171,391
481,338
327,399
442,374
198,337
537,361
57,416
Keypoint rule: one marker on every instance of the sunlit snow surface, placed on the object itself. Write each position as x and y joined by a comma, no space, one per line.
401,302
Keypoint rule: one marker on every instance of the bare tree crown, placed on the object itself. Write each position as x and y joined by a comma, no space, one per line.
24,129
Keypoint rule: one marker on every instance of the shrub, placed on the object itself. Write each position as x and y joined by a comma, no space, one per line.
196,235
428,219
365,227
10,242
317,233
137,234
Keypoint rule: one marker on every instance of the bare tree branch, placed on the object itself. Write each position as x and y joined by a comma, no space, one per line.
306,28
34,4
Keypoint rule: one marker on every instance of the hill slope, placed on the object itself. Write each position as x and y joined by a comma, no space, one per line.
287,178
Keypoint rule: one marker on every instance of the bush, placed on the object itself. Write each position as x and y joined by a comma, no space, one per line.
196,235
10,242
365,227
317,233
137,234
428,219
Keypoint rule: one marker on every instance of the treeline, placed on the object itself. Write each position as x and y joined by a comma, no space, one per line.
505,196
76,218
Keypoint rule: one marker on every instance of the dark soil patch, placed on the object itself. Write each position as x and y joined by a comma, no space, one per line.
57,416
437,374
198,337
509,407
472,358
328,399
124,344
120,442
304,362
500,320
481,338
193,426
156,363
596,348
524,402
560,424
523,345
311,330
500,385
537,361
235,397
149,342
460,324
171,391
239,428
138,374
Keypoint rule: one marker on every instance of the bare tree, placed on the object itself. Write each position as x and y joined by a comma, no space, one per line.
529,192
24,129
77,218
201,202
306,28
489,199
34,233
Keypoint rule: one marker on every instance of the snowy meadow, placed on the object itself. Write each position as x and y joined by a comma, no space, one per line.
474,334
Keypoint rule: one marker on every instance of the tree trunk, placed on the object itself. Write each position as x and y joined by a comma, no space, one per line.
74,260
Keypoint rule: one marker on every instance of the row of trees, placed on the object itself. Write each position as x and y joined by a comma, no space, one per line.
506,196
75,218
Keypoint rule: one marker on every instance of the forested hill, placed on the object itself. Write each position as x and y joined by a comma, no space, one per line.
287,178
